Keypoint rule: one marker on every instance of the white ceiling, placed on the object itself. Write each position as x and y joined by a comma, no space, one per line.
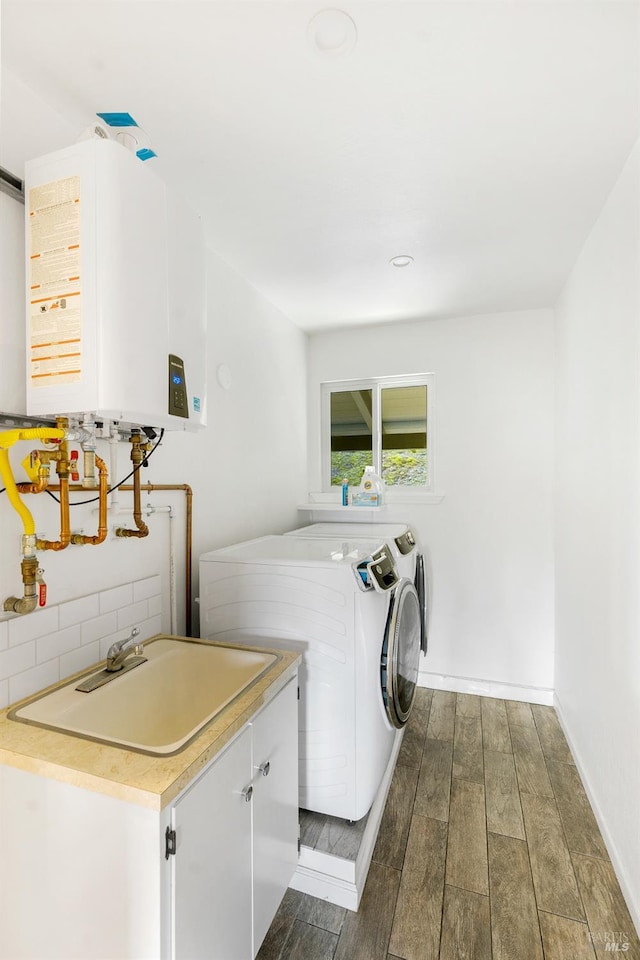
481,138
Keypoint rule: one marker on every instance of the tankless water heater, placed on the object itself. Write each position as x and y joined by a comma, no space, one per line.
116,311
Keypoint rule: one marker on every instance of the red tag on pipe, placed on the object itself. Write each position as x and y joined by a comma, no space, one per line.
42,594
75,476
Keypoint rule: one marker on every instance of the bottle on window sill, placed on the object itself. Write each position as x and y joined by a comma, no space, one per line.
371,491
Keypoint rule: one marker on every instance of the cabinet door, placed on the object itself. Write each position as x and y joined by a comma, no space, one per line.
211,877
275,806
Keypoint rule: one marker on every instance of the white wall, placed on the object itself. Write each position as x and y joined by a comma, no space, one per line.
490,539
597,529
247,470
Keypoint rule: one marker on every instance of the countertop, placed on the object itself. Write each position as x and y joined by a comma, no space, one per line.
148,781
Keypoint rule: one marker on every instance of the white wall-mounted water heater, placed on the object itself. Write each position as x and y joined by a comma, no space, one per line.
116,307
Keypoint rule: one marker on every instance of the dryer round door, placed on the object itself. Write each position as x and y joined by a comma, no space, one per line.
401,653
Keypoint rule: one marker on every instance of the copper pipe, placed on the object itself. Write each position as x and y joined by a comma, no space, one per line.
142,529
61,457
39,486
102,515
138,451
151,488
65,529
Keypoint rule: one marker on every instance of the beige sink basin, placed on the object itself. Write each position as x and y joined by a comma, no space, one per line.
159,706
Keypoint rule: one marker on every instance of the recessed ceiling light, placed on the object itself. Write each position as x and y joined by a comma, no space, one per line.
401,261
332,33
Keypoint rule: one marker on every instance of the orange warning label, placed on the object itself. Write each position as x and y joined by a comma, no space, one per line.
55,272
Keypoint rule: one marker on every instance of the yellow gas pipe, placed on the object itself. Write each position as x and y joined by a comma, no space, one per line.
29,565
7,440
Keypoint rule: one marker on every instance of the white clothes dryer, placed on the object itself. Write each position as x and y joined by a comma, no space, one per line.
408,555
342,604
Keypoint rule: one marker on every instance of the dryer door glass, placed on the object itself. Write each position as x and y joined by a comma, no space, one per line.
401,653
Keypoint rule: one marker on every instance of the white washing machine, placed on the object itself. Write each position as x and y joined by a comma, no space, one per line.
342,604
408,555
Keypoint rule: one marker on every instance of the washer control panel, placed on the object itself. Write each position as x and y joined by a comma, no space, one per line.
377,572
406,542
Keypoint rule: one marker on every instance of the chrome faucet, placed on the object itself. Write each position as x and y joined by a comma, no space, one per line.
120,650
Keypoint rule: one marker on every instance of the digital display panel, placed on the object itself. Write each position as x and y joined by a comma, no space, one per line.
178,401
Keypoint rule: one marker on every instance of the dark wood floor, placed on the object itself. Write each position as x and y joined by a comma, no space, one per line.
488,850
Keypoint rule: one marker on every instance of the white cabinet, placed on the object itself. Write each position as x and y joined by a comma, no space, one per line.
214,898
236,830
275,807
211,869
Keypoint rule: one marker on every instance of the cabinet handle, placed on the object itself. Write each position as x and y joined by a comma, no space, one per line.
247,793
264,768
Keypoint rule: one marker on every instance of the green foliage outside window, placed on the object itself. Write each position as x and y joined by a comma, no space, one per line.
405,468
349,464
399,467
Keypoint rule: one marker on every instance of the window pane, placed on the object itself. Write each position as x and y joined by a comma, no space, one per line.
351,434
404,436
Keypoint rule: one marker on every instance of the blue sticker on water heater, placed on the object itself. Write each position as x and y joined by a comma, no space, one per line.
196,404
118,119
145,153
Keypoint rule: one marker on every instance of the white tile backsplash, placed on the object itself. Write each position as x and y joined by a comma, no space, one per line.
24,684
77,611
100,627
79,659
155,605
58,641
143,589
55,644
132,613
16,660
149,628
32,625
116,597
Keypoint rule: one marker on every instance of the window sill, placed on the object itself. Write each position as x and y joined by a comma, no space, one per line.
322,502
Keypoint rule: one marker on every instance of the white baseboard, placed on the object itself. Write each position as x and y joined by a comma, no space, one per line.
325,886
486,688
634,909
342,881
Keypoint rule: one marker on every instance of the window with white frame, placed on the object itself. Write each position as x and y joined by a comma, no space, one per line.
384,421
